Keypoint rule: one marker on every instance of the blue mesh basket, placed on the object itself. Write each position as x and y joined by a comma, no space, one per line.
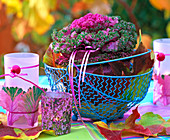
102,97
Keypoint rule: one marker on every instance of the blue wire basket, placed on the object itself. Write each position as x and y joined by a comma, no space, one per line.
102,97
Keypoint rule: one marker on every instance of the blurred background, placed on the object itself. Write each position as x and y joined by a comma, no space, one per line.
26,25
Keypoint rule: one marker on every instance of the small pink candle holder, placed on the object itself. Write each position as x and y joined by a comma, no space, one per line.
21,106
56,110
161,95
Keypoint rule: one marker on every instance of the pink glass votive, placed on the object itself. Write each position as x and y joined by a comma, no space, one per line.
29,64
22,60
56,110
161,95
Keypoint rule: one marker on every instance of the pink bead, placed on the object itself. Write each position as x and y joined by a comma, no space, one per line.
160,56
16,69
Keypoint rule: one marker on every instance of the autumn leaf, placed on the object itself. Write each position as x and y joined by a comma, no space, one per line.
109,134
99,70
146,40
50,57
130,121
3,118
120,68
39,24
142,63
7,132
115,131
155,123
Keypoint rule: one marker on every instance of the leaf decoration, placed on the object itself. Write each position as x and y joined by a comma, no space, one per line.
99,70
135,66
11,101
7,132
119,68
50,57
30,104
114,131
12,91
155,123
109,134
16,100
146,40
142,63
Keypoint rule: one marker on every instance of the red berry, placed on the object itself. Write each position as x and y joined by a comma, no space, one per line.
160,56
16,69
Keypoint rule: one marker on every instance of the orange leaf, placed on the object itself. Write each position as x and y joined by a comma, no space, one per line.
109,134
146,40
130,121
161,4
50,57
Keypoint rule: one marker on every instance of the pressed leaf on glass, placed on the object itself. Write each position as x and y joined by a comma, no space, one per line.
11,101
30,103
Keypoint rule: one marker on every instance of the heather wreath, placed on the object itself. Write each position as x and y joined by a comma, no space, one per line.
110,36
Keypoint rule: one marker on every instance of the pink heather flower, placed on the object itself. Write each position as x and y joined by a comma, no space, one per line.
73,34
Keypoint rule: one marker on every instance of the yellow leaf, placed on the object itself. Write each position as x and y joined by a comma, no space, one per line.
50,132
101,124
43,25
168,29
21,133
13,7
3,118
42,8
146,137
39,17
